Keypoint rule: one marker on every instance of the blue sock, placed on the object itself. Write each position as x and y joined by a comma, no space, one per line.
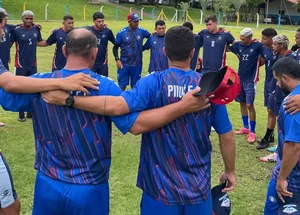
245,121
252,126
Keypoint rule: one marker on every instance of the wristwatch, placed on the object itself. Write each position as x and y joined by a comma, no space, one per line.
117,58
70,101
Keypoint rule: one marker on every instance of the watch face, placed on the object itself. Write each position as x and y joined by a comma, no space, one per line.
70,101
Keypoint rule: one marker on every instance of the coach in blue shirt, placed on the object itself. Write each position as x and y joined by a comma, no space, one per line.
73,147
175,160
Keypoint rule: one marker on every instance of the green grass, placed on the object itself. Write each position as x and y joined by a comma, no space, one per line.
17,143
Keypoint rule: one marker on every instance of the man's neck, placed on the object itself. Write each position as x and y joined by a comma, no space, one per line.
283,52
215,31
76,63
97,29
295,83
183,65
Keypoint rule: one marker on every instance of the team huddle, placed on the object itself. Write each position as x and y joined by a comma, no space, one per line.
72,114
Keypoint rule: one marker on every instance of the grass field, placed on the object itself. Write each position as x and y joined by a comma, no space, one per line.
16,141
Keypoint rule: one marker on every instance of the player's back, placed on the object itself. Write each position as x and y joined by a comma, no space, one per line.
26,43
214,48
175,159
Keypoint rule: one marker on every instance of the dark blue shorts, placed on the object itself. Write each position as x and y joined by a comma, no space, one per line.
270,102
52,197
150,206
25,71
272,200
247,93
101,69
129,72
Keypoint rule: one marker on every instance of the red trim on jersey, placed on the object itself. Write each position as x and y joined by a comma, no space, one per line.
256,77
224,57
53,59
17,62
288,52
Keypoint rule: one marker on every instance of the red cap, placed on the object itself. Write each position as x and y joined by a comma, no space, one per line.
220,87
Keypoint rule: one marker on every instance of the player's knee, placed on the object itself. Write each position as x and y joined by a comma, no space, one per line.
270,113
250,107
13,209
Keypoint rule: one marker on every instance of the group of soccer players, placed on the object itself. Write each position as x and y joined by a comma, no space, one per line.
174,173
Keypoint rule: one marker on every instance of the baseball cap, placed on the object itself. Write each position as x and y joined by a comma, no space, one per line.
221,200
3,11
133,17
221,87
291,205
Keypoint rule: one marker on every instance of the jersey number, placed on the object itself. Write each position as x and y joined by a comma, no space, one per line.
212,43
269,62
98,41
3,38
30,42
245,57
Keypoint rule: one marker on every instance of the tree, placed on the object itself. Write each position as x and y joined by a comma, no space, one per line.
204,4
238,4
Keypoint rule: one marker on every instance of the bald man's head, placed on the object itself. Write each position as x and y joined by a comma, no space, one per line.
80,43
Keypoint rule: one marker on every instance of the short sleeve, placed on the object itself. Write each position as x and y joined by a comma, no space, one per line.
2,68
292,128
39,36
143,95
146,34
111,37
221,122
234,48
229,38
147,45
119,38
125,122
13,35
200,38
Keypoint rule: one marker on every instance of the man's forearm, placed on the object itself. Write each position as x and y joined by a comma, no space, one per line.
291,152
19,84
156,118
42,43
227,148
102,105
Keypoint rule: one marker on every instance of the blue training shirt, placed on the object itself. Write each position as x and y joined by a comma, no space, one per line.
26,42
175,160
288,131
72,145
131,43
5,44
214,48
249,57
58,36
103,36
158,60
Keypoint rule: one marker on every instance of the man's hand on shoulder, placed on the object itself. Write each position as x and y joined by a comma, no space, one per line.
79,82
56,97
191,103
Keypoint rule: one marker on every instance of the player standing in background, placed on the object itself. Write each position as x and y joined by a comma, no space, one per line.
156,43
270,84
59,36
103,35
195,59
297,40
26,38
130,40
214,43
248,53
285,180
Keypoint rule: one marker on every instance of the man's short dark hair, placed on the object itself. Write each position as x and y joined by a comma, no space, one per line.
66,17
298,30
159,22
188,25
2,15
98,15
179,42
288,66
80,43
269,32
212,18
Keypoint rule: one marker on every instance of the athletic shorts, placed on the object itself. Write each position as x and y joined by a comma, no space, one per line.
150,206
269,102
247,93
101,69
8,194
52,197
272,200
132,73
25,71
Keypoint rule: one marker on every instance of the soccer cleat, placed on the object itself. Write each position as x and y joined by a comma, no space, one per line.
29,115
22,119
251,137
263,144
242,131
2,124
